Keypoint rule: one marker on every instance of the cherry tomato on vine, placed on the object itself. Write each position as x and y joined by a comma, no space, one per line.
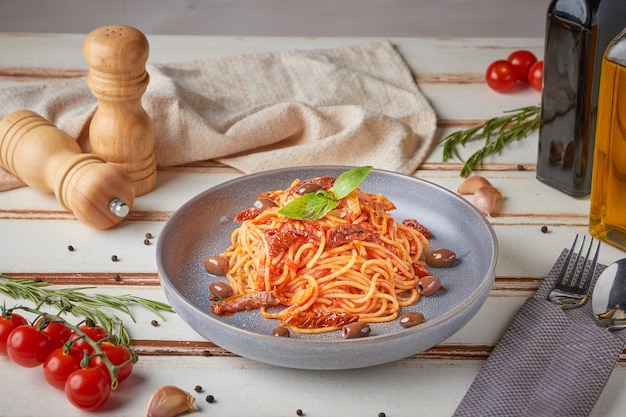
59,364
535,76
8,322
500,76
117,354
95,333
88,388
522,60
57,331
28,346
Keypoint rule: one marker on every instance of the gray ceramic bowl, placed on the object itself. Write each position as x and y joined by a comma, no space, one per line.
202,227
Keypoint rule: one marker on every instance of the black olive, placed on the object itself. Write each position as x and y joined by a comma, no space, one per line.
354,330
216,265
412,318
308,187
441,258
264,203
221,289
281,331
428,285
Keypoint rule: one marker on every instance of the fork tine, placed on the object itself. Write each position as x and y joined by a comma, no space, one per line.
573,279
572,286
563,273
585,275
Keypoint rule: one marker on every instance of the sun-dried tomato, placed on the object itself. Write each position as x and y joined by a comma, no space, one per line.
414,224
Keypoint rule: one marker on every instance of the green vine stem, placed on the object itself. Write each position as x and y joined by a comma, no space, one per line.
496,132
78,303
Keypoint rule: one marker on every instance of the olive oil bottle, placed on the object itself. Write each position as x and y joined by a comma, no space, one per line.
607,218
577,34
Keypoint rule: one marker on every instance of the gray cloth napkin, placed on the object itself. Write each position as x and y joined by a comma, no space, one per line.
549,362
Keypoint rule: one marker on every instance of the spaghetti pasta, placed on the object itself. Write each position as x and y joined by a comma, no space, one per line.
356,263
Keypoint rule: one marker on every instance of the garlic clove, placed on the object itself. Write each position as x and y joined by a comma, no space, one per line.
473,183
170,401
486,199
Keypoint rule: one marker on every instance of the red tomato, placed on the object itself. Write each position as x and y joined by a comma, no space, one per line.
522,60
9,322
88,388
57,331
500,76
535,76
95,333
28,346
118,355
59,364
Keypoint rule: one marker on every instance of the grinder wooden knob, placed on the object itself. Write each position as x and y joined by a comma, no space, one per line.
47,159
121,131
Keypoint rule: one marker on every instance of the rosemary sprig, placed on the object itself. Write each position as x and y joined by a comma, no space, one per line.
78,303
496,132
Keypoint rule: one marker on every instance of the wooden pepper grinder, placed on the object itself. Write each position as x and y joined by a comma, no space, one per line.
121,131
47,159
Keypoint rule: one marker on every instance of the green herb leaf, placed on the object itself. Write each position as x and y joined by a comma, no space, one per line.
349,181
314,206
496,133
76,302
311,206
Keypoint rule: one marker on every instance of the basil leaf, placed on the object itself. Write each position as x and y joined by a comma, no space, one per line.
349,181
315,205
311,206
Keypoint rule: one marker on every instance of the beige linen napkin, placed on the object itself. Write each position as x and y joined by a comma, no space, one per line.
354,105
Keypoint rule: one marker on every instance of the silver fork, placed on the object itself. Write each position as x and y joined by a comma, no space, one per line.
571,289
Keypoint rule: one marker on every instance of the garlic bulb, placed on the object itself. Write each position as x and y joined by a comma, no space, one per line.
486,199
473,183
170,401
486,196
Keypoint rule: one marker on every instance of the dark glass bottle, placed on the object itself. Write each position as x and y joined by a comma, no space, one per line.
577,34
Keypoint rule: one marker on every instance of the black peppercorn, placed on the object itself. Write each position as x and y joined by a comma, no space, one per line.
70,248
299,412
154,323
210,398
197,388
148,235
114,258
544,229
117,277
146,242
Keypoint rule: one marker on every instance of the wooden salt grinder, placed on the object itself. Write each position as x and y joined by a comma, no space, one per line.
121,131
49,160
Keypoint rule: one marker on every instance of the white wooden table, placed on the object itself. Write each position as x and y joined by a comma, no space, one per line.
35,234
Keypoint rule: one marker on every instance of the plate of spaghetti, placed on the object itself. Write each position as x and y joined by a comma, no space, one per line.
327,267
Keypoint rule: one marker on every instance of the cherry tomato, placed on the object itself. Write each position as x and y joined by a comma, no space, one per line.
8,322
117,354
95,333
58,332
535,76
500,76
88,388
28,346
522,60
59,364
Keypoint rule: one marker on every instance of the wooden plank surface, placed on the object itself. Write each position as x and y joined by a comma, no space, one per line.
36,234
